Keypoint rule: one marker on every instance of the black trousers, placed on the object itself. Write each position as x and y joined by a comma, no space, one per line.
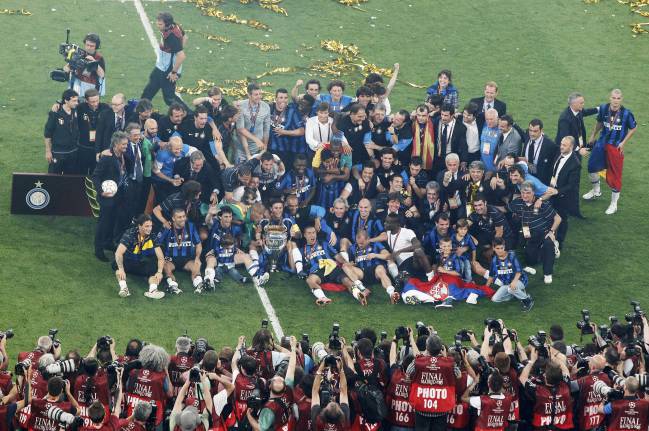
540,249
426,423
158,81
87,160
562,230
132,204
105,233
66,164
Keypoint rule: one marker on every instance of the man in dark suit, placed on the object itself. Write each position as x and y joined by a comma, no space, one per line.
450,136
114,166
109,122
565,179
195,168
571,123
487,102
539,151
135,201
450,180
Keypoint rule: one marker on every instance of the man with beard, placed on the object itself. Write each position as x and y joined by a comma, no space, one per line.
197,131
62,136
369,264
400,135
169,124
423,138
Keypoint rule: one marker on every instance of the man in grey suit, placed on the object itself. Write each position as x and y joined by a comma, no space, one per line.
510,140
253,125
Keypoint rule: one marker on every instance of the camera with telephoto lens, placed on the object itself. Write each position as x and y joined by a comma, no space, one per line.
22,366
63,417
464,334
458,343
264,324
75,56
613,320
422,330
256,400
59,368
113,367
584,324
604,332
52,334
635,316
334,337
304,343
195,374
9,333
384,335
493,325
103,343
401,333
538,342
607,392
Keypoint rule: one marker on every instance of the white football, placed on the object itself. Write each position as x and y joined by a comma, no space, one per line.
109,186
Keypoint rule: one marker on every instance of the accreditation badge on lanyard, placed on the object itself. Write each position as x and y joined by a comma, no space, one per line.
486,149
253,117
526,232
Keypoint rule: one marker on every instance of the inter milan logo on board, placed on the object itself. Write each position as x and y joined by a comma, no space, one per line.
37,198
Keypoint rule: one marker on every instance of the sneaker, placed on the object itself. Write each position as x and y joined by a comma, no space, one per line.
447,303
154,294
263,279
527,304
124,292
547,279
322,301
612,209
591,195
199,288
411,300
472,299
244,280
529,270
208,284
175,289
557,249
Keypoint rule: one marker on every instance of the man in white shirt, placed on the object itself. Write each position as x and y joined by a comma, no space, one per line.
472,132
318,128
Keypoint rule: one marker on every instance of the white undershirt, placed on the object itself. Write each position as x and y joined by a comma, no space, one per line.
399,241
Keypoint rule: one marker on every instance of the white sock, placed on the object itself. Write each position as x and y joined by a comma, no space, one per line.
197,281
614,197
359,284
318,293
171,282
430,274
486,275
252,269
153,287
122,284
254,255
594,180
345,255
393,269
356,292
390,290
297,259
210,273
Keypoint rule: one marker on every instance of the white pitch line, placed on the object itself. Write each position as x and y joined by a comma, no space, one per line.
146,24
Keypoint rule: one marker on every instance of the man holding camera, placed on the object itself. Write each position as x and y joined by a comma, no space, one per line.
93,72
277,413
631,412
39,419
333,415
432,391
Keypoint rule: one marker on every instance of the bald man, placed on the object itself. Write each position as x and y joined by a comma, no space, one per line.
110,121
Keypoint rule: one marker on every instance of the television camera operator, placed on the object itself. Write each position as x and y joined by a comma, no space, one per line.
277,413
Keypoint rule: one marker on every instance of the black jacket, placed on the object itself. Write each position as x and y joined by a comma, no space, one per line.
547,156
105,129
573,125
499,105
207,177
108,168
567,185
457,138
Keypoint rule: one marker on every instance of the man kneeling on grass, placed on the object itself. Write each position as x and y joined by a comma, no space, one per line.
507,274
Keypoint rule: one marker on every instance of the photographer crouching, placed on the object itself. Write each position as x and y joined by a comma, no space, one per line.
277,413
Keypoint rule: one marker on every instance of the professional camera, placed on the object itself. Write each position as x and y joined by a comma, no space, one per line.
401,333
264,324
59,368
256,400
635,317
63,417
9,333
422,330
75,56
584,324
604,332
103,343
331,361
384,335
22,366
601,388
464,334
304,343
319,351
52,334
334,337
613,320
113,367
195,374
326,393
200,348
538,342
458,343
493,325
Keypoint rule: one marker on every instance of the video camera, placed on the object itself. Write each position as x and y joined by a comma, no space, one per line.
584,324
75,56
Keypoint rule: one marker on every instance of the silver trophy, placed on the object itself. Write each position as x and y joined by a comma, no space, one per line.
275,240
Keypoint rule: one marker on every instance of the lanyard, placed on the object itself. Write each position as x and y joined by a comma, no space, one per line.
328,132
394,243
253,116
182,236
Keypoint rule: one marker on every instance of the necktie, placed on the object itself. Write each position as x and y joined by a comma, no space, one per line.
488,106
531,150
192,175
444,139
138,163
119,123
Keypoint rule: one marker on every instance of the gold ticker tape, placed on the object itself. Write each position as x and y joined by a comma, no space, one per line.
339,47
23,12
209,36
211,8
265,46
